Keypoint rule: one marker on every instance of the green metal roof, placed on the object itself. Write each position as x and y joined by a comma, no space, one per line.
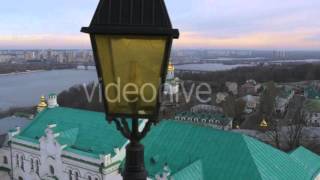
52,94
85,132
309,160
191,152
312,92
192,172
220,155
207,116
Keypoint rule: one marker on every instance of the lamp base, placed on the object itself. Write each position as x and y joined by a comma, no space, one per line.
134,166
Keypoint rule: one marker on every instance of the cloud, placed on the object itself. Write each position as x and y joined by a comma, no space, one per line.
44,41
243,17
212,23
299,39
259,40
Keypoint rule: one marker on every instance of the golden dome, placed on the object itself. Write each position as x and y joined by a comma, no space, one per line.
263,123
42,104
170,67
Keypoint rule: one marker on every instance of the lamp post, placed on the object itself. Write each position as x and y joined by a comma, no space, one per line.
131,41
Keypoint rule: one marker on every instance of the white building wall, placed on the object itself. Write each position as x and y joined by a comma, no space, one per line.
50,153
5,153
80,166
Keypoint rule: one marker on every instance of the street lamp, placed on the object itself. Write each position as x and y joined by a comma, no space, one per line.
131,41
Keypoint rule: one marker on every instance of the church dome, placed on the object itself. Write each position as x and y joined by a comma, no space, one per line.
42,104
170,67
263,123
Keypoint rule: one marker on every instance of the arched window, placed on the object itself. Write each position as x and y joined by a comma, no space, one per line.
89,177
31,164
203,121
20,178
37,167
17,160
22,163
70,175
77,176
5,160
96,178
51,170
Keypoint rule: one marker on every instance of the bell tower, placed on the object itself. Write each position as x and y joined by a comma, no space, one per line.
52,100
170,74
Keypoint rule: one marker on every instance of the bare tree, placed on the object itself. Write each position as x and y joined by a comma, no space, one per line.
295,129
267,108
268,100
233,108
274,132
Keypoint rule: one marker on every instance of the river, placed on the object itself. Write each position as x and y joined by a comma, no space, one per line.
25,89
209,67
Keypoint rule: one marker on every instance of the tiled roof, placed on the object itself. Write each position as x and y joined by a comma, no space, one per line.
191,152
308,159
191,172
224,155
85,132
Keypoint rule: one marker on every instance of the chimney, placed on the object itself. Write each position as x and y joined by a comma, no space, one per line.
52,101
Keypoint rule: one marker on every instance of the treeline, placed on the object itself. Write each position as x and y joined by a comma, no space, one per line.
12,111
82,97
79,96
6,68
285,73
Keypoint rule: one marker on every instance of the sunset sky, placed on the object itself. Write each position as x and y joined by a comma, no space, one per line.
237,24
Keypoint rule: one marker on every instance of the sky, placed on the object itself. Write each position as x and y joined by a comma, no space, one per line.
217,24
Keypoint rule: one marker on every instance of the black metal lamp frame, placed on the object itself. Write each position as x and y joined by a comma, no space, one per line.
136,18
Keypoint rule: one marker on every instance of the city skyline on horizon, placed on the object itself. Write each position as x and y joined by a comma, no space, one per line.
173,49
211,24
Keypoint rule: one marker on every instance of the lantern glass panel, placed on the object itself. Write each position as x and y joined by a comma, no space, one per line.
131,72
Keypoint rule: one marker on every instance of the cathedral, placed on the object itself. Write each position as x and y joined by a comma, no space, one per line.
72,144
171,86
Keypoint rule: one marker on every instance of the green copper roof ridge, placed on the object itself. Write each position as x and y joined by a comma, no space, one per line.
65,135
284,157
34,120
89,138
292,154
245,140
187,169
